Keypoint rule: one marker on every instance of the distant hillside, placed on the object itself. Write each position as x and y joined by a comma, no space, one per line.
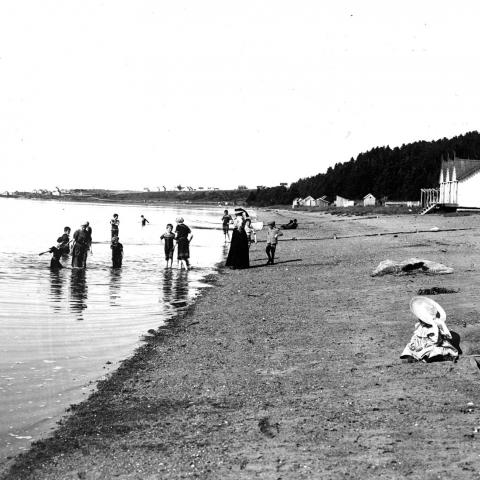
237,196
397,174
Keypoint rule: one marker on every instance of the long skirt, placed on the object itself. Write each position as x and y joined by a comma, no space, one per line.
238,256
183,248
79,256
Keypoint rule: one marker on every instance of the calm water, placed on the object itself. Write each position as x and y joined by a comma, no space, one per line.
59,329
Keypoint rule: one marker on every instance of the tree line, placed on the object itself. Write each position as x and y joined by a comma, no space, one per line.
393,174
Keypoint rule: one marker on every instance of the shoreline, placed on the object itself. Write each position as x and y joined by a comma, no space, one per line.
291,371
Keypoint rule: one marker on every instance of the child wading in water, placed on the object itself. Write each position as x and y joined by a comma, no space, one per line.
272,239
168,237
117,253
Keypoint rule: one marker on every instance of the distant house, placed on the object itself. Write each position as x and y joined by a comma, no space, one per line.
322,202
343,202
308,201
297,202
460,183
369,199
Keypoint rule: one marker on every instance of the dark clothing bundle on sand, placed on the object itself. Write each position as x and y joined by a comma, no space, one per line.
411,265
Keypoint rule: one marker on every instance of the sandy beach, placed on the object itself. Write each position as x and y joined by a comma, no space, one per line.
292,371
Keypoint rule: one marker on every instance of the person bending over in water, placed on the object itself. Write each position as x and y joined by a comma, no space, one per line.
144,220
55,261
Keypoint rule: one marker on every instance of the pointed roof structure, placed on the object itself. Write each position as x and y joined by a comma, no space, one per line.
458,168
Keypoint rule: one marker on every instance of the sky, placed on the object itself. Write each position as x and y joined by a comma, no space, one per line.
122,94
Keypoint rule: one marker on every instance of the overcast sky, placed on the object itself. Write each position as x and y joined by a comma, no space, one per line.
133,94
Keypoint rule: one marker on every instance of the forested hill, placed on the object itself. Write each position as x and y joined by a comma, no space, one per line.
397,173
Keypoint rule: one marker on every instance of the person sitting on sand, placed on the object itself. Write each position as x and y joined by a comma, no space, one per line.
431,340
292,224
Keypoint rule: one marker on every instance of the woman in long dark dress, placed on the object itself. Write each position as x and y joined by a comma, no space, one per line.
238,256
183,236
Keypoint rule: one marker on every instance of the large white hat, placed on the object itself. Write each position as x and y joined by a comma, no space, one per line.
427,310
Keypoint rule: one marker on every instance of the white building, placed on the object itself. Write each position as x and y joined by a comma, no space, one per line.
343,202
322,202
308,201
369,199
297,202
460,183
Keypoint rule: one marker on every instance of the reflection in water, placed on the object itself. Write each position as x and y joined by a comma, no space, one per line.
78,291
114,287
56,289
175,288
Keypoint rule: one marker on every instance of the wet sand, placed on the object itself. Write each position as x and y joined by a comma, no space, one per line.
292,371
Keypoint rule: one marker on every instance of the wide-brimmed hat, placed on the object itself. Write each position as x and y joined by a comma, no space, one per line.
84,224
427,310
179,220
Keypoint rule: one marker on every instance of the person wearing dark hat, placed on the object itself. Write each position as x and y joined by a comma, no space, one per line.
238,255
272,239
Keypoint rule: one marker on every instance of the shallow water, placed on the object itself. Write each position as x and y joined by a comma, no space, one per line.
60,331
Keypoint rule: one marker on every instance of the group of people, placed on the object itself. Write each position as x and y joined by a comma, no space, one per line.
243,235
81,244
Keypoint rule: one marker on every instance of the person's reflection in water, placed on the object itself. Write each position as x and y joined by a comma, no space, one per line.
115,278
56,289
175,288
78,291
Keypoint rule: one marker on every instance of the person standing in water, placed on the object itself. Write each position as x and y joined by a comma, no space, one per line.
64,241
117,253
226,221
144,220
80,246
168,237
114,223
183,236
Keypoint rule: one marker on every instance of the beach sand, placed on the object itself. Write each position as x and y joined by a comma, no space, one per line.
292,371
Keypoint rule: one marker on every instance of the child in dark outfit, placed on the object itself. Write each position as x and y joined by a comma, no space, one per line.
168,237
64,241
117,253
55,261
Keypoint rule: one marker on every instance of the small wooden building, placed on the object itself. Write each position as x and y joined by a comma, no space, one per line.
308,201
322,202
343,202
297,202
369,199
